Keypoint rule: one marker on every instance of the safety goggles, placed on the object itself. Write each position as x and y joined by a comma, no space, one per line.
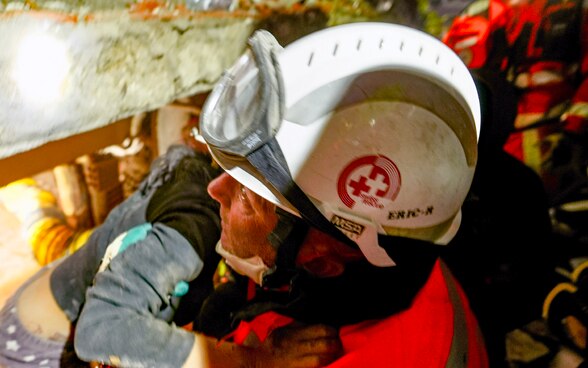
241,117
245,108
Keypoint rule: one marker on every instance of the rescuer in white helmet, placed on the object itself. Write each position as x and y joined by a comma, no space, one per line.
363,130
348,155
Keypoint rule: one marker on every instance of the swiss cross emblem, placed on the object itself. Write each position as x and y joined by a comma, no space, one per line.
369,180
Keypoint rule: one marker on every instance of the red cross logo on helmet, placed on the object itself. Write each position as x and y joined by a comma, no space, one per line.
369,179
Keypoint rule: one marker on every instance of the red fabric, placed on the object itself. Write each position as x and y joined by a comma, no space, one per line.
261,325
514,146
466,28
536,101
540,99
418,337
521,15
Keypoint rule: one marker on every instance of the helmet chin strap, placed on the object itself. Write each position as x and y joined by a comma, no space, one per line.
286,238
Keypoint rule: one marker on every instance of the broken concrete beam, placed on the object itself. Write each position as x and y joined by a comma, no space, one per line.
64,74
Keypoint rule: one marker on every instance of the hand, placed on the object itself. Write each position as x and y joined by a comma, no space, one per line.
299,346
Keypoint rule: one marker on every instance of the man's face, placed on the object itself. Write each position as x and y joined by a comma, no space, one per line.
246,219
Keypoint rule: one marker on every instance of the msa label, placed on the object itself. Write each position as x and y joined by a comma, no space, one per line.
347,225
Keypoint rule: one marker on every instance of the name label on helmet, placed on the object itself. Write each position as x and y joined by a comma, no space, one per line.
347,226
406,214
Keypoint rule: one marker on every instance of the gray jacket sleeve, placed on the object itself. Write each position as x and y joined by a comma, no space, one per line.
122,308
72,276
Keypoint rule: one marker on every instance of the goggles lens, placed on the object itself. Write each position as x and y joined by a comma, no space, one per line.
245,107
231,110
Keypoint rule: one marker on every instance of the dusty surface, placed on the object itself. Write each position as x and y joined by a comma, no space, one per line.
103,70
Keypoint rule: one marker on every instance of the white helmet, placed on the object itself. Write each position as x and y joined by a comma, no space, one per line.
378,126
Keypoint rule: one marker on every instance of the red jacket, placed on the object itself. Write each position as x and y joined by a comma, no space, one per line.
438,330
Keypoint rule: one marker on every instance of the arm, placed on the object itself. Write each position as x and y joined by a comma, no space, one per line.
114,329
121,322
128,310
71,278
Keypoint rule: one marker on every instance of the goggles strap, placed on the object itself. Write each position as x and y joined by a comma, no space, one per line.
268,158
270,162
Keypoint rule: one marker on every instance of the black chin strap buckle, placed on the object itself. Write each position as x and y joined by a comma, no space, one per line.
287,238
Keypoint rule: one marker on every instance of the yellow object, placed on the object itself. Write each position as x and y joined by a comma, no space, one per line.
24,197
562,287
43,222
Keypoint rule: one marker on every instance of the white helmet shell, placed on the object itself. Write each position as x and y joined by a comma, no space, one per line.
380,131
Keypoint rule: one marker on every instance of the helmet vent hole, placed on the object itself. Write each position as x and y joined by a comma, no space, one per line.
437,60
452,70
401,45
358,45
421,51
335,49
381,45
310,59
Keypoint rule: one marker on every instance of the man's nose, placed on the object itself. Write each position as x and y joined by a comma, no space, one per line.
222,188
